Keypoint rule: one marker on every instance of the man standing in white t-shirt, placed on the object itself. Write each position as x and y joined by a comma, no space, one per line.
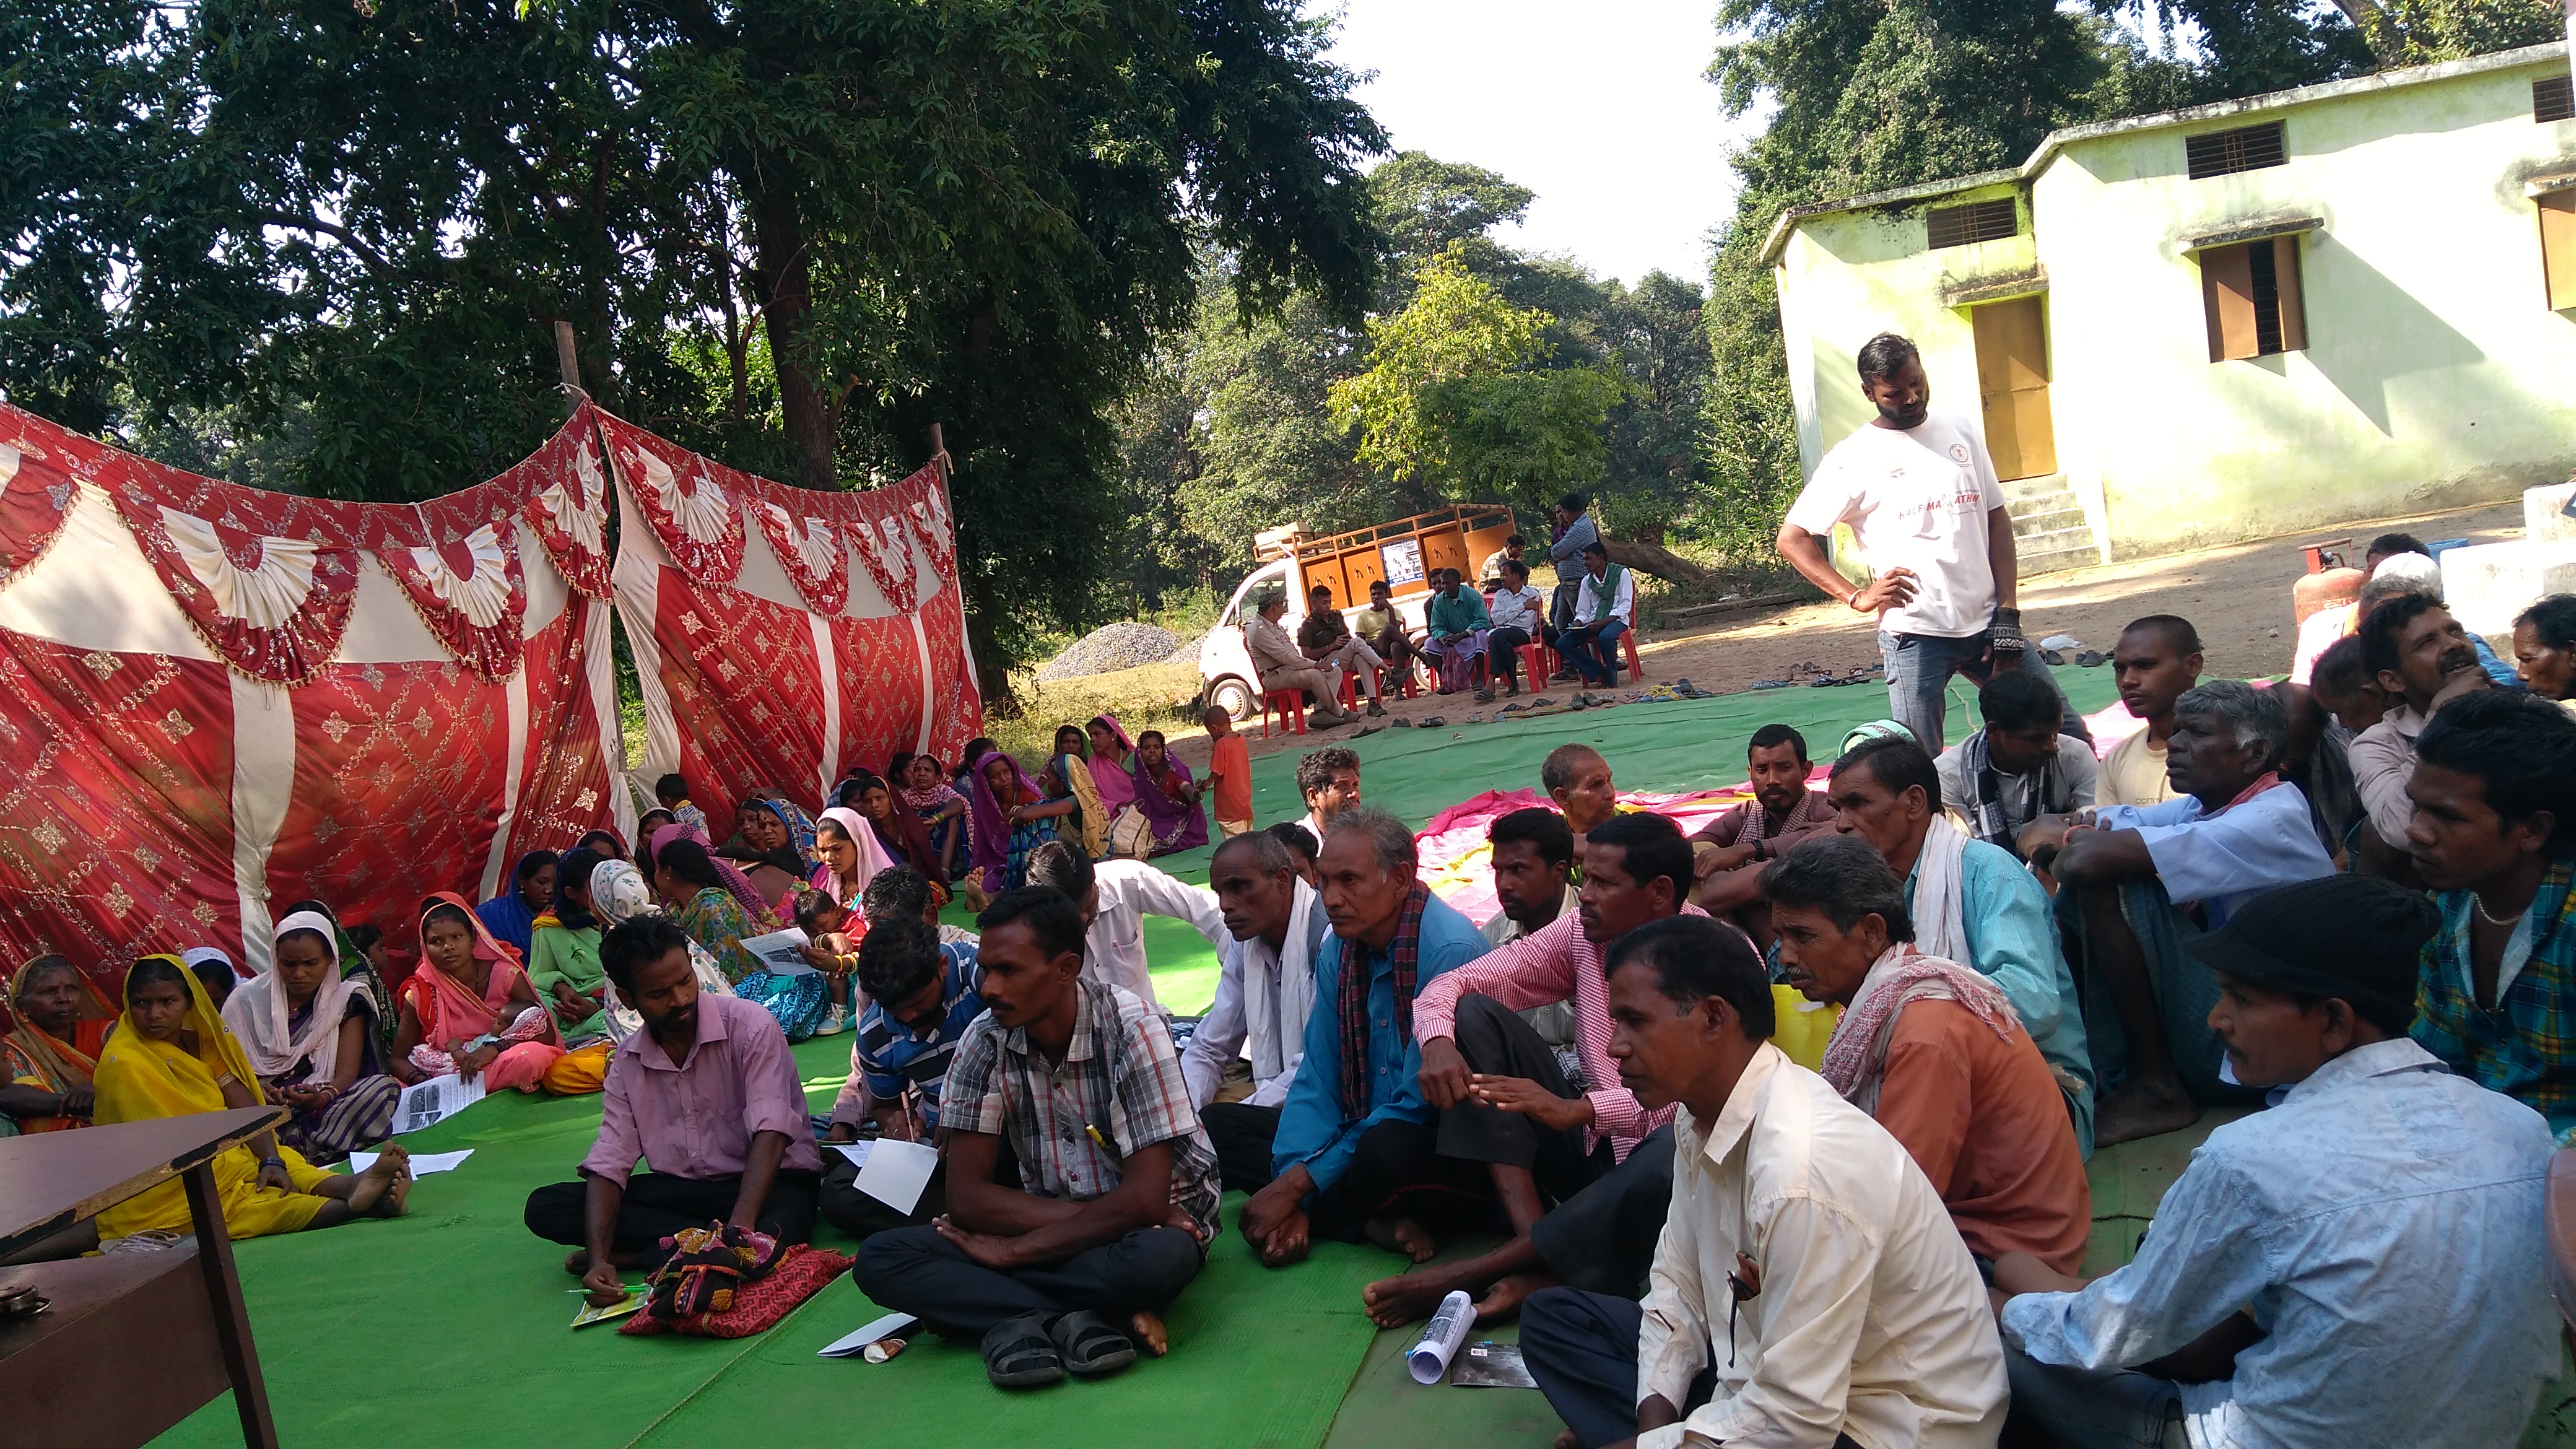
1921,497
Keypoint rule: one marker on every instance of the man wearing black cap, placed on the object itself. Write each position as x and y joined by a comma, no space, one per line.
2360,1265
2494,835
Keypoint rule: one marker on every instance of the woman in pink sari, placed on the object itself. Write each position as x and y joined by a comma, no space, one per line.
1112,763
469,1008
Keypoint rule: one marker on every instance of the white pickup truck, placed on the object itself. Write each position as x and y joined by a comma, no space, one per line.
1402,553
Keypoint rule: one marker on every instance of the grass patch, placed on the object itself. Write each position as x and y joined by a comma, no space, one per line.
1153,696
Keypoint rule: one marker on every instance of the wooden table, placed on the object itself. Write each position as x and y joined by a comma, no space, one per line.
133,1342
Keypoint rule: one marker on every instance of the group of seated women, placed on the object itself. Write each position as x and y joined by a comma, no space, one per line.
1099,791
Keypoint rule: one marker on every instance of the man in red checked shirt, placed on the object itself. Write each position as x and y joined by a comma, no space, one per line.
1591,1148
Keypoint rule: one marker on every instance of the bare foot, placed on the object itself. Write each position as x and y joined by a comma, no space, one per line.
1149,1333
1406,1297
577,1262
1565,1439
1503,1300
397,1199
2143,1109
1403,1235
394,1162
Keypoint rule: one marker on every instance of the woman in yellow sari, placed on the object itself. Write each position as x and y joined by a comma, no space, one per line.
171,1056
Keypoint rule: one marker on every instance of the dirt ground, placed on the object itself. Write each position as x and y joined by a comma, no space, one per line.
2237,596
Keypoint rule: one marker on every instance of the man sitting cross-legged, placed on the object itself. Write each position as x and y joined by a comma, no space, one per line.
1932,1050
920,1000
1116,1193
1970,902
708,1096
2136,884
1729,852
1808,1287
2423,659
1603,1159
1115,896
2361,1265
2494,835
1354,1153
1264,992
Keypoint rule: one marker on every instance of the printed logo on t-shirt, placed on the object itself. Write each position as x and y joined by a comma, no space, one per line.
1959,454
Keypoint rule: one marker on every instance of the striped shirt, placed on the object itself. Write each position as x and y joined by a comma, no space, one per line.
1748,822
2525,1047
1072,1126
890,1055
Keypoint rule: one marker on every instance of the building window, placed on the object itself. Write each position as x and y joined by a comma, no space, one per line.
2224,153
2251,294
2553,98
1956,226
2558,246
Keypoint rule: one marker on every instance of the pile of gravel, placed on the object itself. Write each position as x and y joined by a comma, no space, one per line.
1114,646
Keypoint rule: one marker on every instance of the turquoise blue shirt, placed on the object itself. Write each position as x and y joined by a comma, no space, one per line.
2012,938
1313,1128
1460,613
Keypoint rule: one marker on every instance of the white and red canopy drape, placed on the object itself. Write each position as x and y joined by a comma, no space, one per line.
765,659
215,700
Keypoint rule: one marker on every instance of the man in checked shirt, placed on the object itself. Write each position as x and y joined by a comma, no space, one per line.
1069,1267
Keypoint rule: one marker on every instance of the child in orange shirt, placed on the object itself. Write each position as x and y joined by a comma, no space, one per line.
1230,772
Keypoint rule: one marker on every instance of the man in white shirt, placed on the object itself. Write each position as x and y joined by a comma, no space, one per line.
1116,896
2422,656
1510,552
1281,665
2016,767
1920,495
2137,886
1519,613
1809,1288
2157,659
1264,992
1329,781
1605,607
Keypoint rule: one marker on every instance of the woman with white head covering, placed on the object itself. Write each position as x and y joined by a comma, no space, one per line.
618,895
311,1036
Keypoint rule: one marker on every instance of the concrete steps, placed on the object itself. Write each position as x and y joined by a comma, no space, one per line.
2050,531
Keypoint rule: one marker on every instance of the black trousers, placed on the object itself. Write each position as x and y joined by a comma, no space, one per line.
1242,1134
1398,1171
1497,1043
1602,1239
1503,654
916,1271
1582,1349
659,1204
863,1217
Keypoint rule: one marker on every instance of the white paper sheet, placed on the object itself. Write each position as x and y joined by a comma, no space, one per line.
850,1345
1447,1329
777,951
422,1163
435,1100
857,1152
896,1172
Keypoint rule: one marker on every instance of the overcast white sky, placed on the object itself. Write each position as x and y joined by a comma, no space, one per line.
1598,107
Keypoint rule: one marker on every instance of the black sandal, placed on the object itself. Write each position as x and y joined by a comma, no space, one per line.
1089,1345
1018,1354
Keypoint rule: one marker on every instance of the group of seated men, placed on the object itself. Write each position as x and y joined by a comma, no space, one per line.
2026,963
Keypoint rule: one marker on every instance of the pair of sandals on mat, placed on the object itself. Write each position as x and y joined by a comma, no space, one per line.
1035,1349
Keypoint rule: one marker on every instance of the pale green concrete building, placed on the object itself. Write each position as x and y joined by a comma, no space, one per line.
2231,321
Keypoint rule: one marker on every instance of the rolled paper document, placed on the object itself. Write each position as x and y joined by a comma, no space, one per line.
1429,1359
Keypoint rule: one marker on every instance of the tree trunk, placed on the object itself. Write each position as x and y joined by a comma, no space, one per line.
1654,558
783,283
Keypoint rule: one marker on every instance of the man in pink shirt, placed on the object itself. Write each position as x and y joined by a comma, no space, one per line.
1590,1147
708,1096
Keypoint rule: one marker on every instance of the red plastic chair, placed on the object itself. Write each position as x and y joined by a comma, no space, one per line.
1291,705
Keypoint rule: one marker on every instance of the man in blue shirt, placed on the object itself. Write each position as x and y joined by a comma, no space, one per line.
1971,902
921,998
1356,1153
2362,1265
2137,883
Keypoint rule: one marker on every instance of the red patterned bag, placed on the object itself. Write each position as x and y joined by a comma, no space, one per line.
756,1306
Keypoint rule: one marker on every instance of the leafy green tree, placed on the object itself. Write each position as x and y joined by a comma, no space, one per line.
793,233
2418,32
1454,394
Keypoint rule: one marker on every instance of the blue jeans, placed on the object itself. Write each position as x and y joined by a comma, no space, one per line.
2116,1410
1596,658
1919,667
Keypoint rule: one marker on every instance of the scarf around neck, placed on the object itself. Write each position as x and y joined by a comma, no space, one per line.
1605,590
1352,1000
1939,903
260,1014
1856,1056
1994,823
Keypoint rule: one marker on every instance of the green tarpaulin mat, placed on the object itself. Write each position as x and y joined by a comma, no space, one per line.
452,1324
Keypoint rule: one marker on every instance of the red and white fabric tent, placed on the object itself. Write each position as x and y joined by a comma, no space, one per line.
215,699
